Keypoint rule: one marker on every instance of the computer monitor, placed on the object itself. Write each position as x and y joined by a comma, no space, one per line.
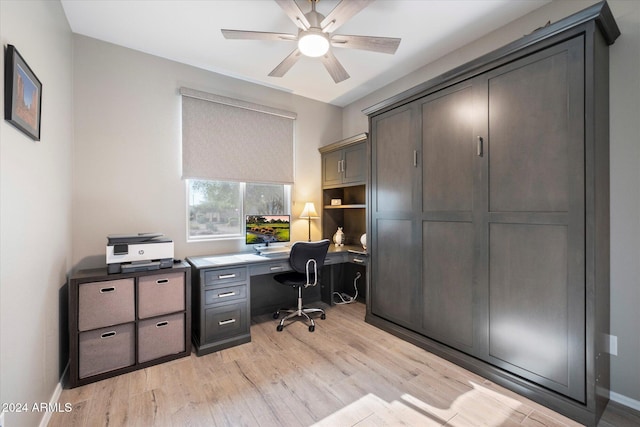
267,229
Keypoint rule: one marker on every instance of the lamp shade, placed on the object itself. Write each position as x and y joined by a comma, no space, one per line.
309,211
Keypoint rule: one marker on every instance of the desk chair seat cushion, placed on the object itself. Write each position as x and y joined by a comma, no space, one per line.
294,279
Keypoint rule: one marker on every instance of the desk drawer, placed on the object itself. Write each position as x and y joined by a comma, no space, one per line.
224,275
335,258
105,303
358,259
279,266
160,294
224,294
226,321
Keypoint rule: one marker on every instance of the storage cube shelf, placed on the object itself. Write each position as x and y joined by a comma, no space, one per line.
123,322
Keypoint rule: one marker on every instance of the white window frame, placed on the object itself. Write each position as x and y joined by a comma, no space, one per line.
230,236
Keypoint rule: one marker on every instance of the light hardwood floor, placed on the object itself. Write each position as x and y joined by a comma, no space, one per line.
346,373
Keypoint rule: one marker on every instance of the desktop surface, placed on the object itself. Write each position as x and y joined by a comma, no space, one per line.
246,258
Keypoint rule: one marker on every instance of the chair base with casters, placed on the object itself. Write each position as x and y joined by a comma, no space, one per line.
301,311
306,259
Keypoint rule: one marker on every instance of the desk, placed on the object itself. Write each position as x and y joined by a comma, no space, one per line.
228,289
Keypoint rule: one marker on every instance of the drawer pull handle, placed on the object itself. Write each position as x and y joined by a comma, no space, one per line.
108,334
226,294
358,260
161,324
162,281
227,276
226,322
275,267
105,290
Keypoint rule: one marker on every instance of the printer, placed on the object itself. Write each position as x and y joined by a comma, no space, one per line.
138,252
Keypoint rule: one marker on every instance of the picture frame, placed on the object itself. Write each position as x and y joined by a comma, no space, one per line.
22,94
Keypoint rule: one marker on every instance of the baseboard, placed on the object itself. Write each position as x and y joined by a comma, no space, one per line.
624,400
44,422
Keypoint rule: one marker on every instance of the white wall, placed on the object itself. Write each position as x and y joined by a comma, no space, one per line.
35,212
127,147
625,202
625,163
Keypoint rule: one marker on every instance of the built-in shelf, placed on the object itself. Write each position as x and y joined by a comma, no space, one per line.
344,176
353,206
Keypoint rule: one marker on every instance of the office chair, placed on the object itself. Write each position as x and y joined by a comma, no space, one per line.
306,259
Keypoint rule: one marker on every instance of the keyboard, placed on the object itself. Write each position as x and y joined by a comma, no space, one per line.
277,251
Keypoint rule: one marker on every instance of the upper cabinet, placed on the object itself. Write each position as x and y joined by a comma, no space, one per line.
345,162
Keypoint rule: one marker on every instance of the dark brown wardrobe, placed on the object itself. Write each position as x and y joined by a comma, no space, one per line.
489,214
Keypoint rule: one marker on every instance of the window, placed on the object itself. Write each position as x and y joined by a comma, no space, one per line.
217,208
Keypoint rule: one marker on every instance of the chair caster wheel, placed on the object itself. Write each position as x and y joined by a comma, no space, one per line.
279,328
323,316
276,314
312,328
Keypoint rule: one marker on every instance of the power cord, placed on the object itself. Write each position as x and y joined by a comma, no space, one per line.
346,298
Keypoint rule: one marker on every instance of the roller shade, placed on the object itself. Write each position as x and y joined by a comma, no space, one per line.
225,139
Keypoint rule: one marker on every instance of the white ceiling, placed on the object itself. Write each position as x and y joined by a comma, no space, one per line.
188,31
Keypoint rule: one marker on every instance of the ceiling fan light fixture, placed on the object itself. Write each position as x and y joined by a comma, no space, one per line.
313,43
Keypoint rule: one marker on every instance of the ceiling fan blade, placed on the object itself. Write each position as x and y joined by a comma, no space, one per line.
342,13
334,67
372,43
257,35
294,13
286,64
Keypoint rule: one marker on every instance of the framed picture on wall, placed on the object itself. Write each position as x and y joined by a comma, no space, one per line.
22,94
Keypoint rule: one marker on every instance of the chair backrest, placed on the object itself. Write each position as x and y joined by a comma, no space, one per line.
301,252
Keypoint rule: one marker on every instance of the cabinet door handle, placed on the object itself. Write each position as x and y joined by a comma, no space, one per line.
108,334
227,276
226,322
275,267
358,260
161,324
105,290
343,163
415,158
339,166
162,281
226,294
479,146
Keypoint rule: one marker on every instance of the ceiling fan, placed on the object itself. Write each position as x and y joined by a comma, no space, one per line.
315,36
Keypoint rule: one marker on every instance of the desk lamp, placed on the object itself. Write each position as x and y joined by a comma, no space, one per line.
309,213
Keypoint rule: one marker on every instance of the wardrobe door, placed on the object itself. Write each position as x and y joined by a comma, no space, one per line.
449,153
394,255
536,218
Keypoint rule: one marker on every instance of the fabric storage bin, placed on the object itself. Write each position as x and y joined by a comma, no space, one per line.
160,294
106,349
160,336
101,304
